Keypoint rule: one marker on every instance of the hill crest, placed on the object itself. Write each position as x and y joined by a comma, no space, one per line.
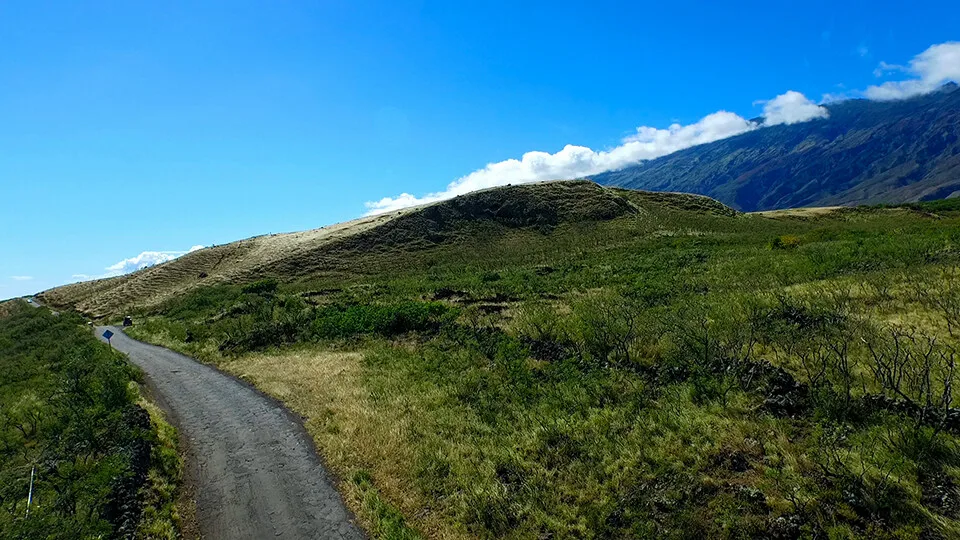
539,207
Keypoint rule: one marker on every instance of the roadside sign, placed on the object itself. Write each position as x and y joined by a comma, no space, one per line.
107,335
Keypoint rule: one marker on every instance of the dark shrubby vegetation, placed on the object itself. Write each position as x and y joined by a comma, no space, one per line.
69,414
677,372
257,317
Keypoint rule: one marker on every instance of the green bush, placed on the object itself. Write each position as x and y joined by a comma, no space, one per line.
269,322
340,322
787,241
67,412
264,287
200,302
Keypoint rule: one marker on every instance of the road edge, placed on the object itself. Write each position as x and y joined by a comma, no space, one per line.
299,421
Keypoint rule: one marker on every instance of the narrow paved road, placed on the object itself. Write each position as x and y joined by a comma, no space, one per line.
256,472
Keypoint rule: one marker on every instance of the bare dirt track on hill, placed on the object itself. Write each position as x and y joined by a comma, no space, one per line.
255,469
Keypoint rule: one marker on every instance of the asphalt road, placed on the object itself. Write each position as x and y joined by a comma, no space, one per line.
254,469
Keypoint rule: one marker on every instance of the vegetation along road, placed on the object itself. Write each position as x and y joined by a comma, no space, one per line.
256,472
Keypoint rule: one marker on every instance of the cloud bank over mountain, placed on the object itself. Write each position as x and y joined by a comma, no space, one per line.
577,161
928,70
791,108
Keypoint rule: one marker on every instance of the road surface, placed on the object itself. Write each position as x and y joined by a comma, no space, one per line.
255,471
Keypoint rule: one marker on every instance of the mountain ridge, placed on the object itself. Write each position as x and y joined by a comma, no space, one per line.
865,152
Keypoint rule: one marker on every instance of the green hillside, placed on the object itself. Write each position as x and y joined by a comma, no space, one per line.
564,360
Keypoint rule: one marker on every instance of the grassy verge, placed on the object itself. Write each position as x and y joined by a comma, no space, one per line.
80,454
161,516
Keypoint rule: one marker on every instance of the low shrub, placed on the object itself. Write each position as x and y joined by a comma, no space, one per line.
340,322
271,322
68,415
787,241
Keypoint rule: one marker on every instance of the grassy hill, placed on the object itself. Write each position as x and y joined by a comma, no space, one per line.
362,246
234,262
866,152
567,360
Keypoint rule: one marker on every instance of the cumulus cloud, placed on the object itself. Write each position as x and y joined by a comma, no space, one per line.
143,260
146,259
579,161
929,70
791,108
21,278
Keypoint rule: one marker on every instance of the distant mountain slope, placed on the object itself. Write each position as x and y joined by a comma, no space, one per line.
352,248
865,152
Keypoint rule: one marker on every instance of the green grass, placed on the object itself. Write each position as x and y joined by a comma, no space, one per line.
161,518
679,371
69,414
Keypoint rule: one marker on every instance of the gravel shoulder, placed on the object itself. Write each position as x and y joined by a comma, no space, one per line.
254,469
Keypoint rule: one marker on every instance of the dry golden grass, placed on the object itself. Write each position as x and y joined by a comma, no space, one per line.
818,211
351,432
899,307
235,262
167,502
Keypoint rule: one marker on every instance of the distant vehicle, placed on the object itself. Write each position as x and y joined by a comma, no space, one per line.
29,300
127,321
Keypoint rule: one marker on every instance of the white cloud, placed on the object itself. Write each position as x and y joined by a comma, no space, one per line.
791,108
21,278
833,97
885,68
579,161
930,69
146,259
138,262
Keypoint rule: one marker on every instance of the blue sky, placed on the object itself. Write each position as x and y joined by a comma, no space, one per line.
132,126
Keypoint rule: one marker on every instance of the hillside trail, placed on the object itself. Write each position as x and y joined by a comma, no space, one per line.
253,468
